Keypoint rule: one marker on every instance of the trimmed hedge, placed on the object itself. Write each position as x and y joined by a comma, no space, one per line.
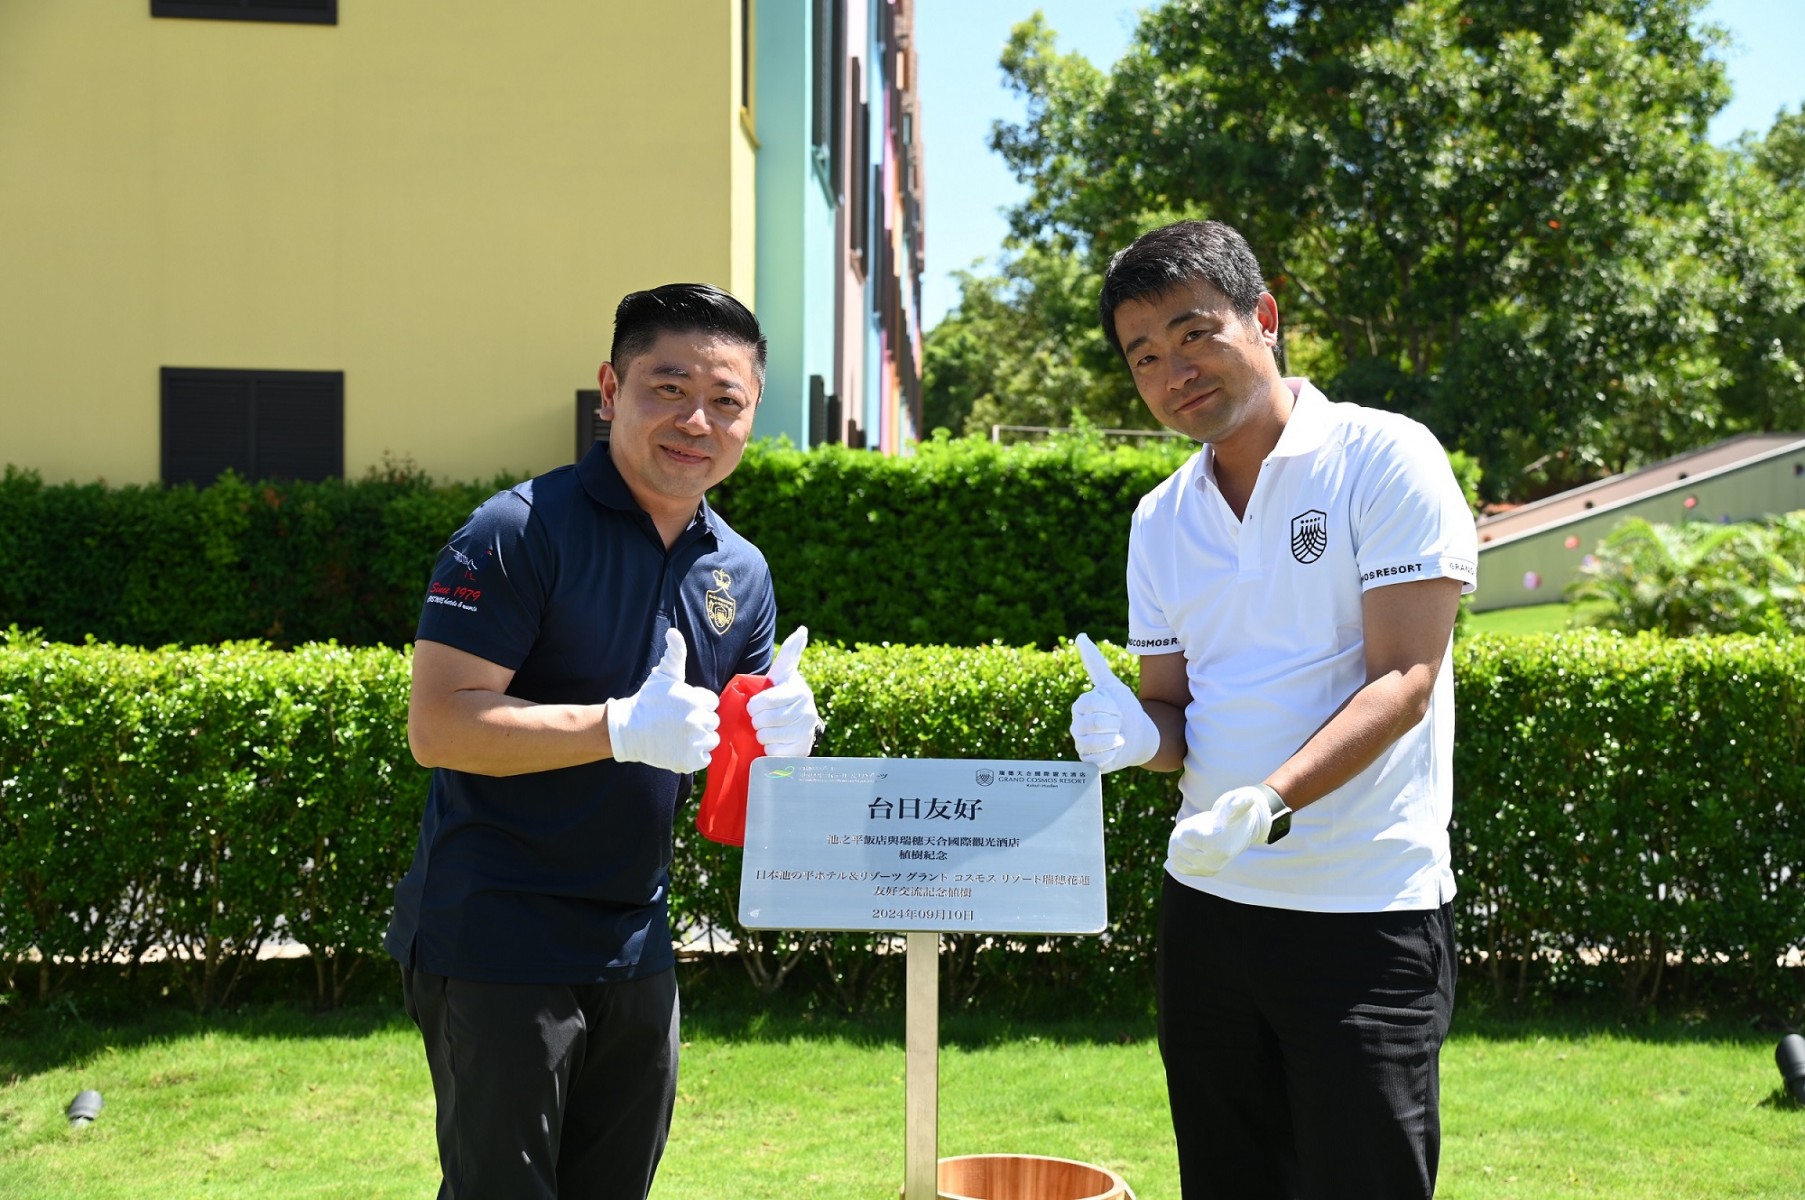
201,802
286,563
1620,800
963,543
1634,799
960,544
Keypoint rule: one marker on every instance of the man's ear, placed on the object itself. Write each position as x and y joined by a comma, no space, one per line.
610,388
1266,314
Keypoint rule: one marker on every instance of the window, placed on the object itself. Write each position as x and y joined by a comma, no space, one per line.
748,65
827,83
837,82
261,424
590,426
824,417
297,12
857,215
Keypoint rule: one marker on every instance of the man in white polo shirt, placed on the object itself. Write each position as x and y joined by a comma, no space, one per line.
1292,593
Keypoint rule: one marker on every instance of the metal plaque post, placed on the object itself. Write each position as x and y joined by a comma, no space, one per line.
921,1078
923,847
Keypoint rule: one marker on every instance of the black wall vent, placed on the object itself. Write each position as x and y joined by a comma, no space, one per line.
294,12
261,424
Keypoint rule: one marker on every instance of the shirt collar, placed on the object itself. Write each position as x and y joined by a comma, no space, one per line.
1308,426
1304,432
602,480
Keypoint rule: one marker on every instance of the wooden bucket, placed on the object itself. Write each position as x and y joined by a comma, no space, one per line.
1027,1177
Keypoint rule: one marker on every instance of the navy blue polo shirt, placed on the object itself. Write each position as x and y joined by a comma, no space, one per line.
564,876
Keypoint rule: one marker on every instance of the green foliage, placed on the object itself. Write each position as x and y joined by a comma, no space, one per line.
1631,293
1755,224
1024,348
1630,801
1621,804
286,563
200,801
1699,578
962,543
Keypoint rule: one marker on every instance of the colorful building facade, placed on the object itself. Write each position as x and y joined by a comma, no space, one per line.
840,232
311,237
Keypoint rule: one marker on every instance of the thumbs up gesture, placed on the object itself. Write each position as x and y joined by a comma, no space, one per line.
1109,726
784,715
667,723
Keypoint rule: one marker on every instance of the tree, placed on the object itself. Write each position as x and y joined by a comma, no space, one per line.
1756,226
1024,348
1499,216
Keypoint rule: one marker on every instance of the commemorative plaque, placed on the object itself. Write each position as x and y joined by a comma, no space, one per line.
915,845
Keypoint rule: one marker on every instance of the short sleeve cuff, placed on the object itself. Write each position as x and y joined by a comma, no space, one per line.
1444,566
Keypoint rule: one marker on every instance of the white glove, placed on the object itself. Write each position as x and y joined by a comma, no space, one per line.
667,723
784,715
1205,842
1109,726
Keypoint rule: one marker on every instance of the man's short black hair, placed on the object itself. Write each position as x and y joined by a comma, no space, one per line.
641,317
1177,254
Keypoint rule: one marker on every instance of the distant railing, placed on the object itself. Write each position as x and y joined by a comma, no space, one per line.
997,431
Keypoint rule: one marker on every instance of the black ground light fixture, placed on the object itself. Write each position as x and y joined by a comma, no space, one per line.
84,1108
1790,1055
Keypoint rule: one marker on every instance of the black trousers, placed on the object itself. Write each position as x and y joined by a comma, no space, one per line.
548,1090
1302,1050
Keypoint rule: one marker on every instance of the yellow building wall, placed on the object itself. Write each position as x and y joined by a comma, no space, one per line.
743,251
443,200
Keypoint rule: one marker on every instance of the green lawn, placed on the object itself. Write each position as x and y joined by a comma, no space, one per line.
277,1103
1534,618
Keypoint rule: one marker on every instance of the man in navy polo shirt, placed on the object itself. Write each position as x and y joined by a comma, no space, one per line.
576,635
1291,594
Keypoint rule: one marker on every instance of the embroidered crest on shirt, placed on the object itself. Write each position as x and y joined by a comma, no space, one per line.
1309,535
721,606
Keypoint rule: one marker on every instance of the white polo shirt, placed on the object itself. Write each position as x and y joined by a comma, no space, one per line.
1267,611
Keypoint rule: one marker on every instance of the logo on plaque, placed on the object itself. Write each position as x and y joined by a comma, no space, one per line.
986,777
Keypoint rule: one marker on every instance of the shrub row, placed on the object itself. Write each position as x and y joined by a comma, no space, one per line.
200,803
286,563
1634,800
962,543
1624,801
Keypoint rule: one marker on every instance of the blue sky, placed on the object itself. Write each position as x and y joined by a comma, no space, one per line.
962,93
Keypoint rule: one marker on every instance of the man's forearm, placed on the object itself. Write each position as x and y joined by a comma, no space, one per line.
1169,719
1353,738
491,733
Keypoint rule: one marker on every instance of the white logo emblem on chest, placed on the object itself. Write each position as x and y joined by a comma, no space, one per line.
721,606
1309,535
